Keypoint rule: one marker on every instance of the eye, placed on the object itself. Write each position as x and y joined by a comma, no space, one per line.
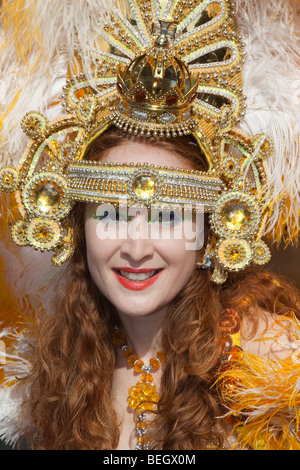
112,216
106,216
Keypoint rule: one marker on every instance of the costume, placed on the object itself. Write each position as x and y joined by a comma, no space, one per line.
169,69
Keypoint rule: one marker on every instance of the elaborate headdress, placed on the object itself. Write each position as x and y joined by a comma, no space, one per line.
161,71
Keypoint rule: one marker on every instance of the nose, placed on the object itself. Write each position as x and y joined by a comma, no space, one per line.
137,245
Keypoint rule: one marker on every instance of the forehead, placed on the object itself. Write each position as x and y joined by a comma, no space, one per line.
134,152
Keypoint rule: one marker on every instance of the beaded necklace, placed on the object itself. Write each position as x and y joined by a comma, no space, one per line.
143,396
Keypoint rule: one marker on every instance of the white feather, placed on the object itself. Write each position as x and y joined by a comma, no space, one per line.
9,411
271,33
15,366
52,30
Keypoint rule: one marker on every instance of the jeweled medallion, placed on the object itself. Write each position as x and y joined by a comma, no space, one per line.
145,186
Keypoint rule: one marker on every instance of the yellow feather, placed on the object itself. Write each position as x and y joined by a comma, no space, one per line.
16,14
263,398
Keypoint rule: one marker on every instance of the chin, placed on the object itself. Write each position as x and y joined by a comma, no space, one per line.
138,312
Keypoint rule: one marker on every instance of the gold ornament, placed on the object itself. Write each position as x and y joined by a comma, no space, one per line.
234,254
261,253
46,194
19,233
237,214
34,124
43,234
231,166
9,179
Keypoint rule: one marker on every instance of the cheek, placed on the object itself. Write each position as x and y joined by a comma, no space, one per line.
92,241
185,265
98,251
180,260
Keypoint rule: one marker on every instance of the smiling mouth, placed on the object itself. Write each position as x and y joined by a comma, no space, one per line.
136,275
137,279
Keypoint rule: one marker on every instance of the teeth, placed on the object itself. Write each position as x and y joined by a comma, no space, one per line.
137,276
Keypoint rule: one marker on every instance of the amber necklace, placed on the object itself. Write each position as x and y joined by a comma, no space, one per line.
143,396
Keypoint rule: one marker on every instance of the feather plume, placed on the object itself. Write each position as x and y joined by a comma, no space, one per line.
9,410
271,33
262,398
38,41
26,283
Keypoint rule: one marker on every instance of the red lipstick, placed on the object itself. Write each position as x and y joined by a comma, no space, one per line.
137,284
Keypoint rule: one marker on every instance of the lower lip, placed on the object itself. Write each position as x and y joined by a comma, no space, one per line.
136,285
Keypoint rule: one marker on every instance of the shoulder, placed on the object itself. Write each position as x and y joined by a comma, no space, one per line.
270,336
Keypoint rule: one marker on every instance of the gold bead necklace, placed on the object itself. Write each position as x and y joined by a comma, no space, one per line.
143,396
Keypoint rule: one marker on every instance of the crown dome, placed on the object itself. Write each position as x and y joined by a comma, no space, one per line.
165,78
157,82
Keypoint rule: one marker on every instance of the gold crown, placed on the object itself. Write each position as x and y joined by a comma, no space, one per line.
181,76
157,87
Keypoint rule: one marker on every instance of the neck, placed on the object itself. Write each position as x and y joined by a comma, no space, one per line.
143,332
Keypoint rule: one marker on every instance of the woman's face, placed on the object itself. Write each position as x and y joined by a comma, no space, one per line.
138,272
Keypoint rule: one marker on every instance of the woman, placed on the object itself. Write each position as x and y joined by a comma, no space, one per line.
211,328
78,388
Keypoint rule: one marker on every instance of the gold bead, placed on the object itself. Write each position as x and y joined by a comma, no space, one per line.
119,338
141,385
141,424
132,402
160,356
131,359
135,392
155,363
149,389
146,407
128,352
138,365
147,377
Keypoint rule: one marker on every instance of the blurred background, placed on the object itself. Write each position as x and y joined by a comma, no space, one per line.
286,262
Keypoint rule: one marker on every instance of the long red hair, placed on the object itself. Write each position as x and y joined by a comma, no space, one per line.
68,400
